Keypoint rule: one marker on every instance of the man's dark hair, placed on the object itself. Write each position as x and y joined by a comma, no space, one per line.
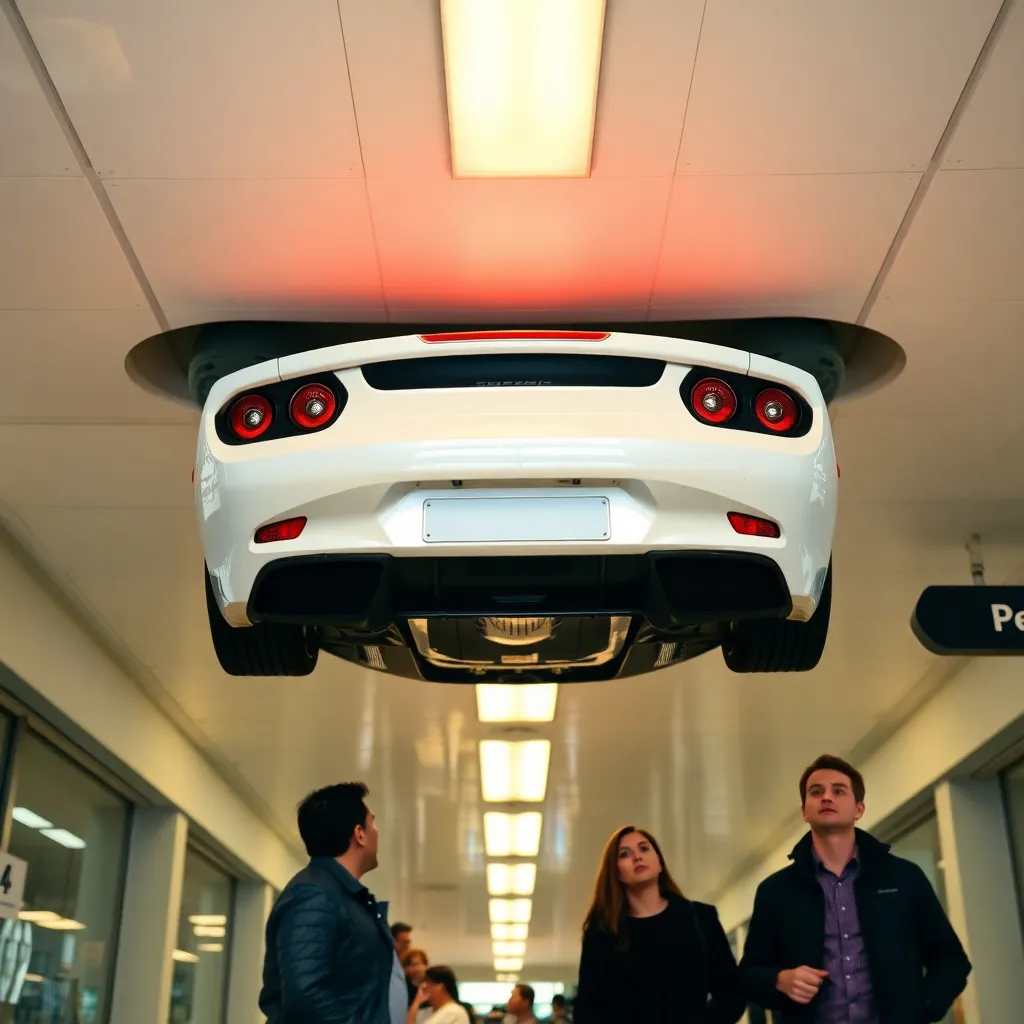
526,991
445,976
829,762
558,1002
328,818
400,928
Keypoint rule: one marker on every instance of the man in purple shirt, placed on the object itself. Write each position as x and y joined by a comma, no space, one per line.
849,933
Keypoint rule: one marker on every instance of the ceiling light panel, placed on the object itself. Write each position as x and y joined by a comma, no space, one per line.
24,816
510,912
512,772
64,837
509,932
508,964
511,879
522,79
512,835
500,702
509,949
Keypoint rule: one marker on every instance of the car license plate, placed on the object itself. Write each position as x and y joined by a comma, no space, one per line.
523,519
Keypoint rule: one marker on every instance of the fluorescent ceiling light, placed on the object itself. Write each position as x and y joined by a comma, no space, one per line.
505,932
514,772
507,978
210,947
501,702
511,879
510,912
38,915
39,979
509,949
62,924
64,837
23,816
208,919
206,931
522,79
512,835
508,964
184,958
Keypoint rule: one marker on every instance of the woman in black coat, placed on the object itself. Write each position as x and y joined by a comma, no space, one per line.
650,954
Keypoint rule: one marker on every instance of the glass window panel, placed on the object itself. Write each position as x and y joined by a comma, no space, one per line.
72,832
199,987
1014,779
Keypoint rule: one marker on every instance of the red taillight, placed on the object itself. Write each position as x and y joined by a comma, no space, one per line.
751,526
713,400
312,406
251,416
776,410
287,529
437,339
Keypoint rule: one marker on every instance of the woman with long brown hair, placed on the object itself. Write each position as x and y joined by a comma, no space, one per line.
650,954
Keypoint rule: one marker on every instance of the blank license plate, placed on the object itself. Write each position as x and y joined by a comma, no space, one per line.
465,520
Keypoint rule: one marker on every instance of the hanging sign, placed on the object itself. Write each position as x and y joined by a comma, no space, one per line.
12,884
972,620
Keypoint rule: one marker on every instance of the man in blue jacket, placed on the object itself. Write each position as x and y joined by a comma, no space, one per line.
849,933
330,955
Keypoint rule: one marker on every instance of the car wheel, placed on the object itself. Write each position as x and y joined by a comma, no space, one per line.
264,649
780,645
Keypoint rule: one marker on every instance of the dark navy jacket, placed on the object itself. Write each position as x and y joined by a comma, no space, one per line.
329,951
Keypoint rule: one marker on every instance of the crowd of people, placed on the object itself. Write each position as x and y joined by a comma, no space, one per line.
848,932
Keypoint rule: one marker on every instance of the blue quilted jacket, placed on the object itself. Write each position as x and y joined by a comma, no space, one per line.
329,951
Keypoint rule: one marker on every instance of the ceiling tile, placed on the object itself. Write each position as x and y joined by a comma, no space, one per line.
194,89
129,466
518,244
236,244
797,86
396,65
799,241
57,251
646,67
966,242
991,131
32,141
62,366
313,312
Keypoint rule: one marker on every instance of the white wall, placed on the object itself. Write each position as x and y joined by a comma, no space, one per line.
983,699
41,643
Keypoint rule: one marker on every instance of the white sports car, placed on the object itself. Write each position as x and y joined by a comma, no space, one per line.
517,506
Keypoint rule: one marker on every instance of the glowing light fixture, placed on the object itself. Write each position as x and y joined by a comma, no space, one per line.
511,879
62,924
208,931
512,835
507,978
210,947
30,819
184,957
512,772
38,916
509,932
211,920
508,964
522,78
509,948
510,912
63,837
499,702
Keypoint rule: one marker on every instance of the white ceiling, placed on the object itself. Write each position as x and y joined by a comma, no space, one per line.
196,161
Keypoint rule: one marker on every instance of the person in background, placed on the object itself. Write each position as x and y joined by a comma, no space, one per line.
559,1012
440,992
415,964
848,931
329,952
648,952
520,1005
402,934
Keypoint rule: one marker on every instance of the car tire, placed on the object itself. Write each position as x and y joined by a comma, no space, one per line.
780,645
263,649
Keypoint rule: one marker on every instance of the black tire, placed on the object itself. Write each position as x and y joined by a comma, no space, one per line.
264,649
780,645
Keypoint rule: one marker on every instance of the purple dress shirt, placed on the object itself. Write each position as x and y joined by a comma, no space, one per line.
845,996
